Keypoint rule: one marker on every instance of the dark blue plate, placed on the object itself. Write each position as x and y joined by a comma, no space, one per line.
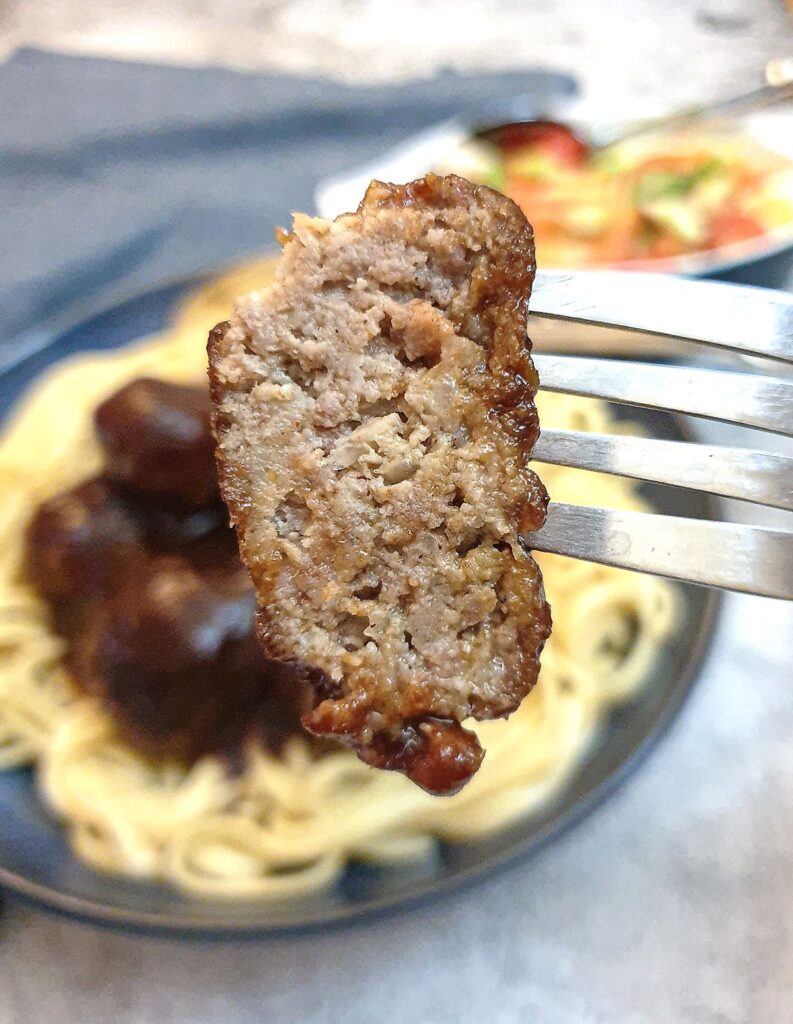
35,860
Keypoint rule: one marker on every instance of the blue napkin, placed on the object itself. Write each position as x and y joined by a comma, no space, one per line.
124,174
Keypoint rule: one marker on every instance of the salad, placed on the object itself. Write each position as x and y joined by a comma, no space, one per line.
654,199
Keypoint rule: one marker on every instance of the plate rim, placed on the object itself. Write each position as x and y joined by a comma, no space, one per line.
91,911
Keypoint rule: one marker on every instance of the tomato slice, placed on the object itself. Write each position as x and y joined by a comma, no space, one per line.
548,138
733,226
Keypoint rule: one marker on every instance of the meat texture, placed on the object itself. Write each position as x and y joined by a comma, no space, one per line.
374,414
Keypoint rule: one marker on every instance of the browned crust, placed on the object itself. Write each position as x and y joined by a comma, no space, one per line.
498,308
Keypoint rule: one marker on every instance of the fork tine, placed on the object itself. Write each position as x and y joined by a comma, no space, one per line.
747,399
764,478
749,559
753,321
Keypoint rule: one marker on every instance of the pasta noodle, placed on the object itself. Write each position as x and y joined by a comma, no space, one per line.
288,825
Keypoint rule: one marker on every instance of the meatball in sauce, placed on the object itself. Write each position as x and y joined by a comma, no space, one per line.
158,441
141,572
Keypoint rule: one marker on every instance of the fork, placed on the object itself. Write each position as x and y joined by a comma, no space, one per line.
747,323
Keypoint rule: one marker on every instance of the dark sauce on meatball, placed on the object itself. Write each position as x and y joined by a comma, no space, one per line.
158,441
143,577
81,542
174,657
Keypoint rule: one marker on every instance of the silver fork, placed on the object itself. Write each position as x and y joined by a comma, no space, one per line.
748,322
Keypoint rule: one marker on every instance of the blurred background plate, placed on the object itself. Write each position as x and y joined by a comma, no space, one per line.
35,860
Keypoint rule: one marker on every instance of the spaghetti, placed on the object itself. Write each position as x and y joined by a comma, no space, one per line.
287,825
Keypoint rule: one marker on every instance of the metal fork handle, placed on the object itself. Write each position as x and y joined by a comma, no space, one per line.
776,90
748,559
764,478
747,399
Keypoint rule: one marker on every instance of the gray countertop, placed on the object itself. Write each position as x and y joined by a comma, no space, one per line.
655,52
673,903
